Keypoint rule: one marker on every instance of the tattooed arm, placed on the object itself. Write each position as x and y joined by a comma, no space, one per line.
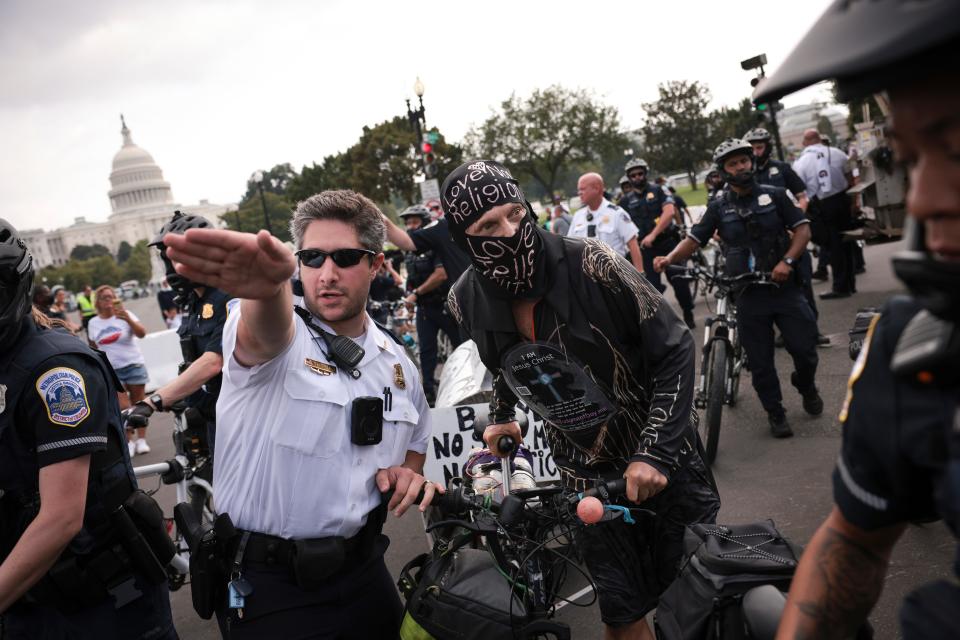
839,580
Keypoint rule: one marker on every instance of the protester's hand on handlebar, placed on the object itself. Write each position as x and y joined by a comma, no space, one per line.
660,263
406,484
492,433
643,482
781,272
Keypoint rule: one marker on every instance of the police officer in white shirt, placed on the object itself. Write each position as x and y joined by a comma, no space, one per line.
824,172
320,411
604,220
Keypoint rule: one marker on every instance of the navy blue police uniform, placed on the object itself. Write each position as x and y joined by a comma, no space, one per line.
200,332
780,174
900,460
432,317
645,207
754,228
58,401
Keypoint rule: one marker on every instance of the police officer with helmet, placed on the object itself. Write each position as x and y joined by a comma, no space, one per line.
427,287
82,552
753,221
653,211
201,332
900,458
780,174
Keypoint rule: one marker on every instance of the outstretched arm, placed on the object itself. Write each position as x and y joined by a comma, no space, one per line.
839,580
256,268
398,236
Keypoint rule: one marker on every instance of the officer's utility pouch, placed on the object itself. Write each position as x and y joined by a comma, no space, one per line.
142,557
317,559
208,579
148,518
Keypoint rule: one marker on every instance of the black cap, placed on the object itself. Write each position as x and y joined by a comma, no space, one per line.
868,46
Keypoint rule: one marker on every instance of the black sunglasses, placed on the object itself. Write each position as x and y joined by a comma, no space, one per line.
343,258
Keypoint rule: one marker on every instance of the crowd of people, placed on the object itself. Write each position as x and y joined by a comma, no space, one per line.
319,421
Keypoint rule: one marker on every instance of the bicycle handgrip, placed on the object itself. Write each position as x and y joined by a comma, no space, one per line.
614,488
676,270
506,444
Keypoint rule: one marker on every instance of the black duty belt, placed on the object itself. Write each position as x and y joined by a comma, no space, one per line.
263,548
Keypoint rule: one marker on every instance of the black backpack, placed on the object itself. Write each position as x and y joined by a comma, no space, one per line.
722,563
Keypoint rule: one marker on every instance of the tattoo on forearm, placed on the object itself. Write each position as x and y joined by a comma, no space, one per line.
850,578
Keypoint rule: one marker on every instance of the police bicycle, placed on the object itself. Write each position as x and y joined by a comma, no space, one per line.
191,471
722,358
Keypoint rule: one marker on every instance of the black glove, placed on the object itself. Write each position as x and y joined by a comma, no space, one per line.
138,415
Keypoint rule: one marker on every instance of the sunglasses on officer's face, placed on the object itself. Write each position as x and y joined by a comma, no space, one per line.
343,258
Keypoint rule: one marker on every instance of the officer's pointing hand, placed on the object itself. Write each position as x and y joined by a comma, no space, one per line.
660,263
643,482
406,484
243,264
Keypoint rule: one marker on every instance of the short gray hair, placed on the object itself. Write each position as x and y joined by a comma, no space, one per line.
344,205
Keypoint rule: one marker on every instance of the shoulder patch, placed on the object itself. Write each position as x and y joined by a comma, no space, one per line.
624,217
764,199
64,394
858,367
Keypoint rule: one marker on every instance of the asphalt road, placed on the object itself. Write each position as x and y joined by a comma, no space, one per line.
787,481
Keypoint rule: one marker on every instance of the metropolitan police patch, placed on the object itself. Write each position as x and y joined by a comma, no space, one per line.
65,395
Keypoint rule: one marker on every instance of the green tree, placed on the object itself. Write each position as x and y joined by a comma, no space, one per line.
123,252
541,136
733,122
251,219
138,266
825,127
83,251
276,180
382,165
677,131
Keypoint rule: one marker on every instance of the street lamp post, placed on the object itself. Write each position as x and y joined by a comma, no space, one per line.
417,117
257,177
757,62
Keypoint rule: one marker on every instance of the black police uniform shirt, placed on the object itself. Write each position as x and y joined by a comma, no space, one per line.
64,411
897,456
748,225
645,206
437,237
202,326
616,335
780,174
420,265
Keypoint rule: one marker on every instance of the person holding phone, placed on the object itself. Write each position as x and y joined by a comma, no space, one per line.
114,331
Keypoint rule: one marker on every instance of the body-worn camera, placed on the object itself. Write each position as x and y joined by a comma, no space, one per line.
366,421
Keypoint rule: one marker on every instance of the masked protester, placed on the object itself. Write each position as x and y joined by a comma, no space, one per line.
900,460
576,332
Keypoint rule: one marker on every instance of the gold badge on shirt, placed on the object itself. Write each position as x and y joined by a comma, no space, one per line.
322,368
398,377
207,311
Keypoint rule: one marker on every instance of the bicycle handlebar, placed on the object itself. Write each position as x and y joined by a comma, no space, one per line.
696,271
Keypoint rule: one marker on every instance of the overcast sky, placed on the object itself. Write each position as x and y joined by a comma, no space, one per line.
217,89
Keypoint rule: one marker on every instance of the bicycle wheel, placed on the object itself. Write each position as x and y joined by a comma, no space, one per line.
716,396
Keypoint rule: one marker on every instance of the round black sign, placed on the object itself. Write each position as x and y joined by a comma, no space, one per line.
557,388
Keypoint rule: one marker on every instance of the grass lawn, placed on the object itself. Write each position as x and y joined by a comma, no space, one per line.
692,197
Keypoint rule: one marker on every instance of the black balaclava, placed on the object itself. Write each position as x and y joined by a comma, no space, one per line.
514,265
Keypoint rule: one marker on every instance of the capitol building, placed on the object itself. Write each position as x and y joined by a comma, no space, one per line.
141,202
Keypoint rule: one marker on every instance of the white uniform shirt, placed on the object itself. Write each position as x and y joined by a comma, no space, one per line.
613,225
816,158
285,463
